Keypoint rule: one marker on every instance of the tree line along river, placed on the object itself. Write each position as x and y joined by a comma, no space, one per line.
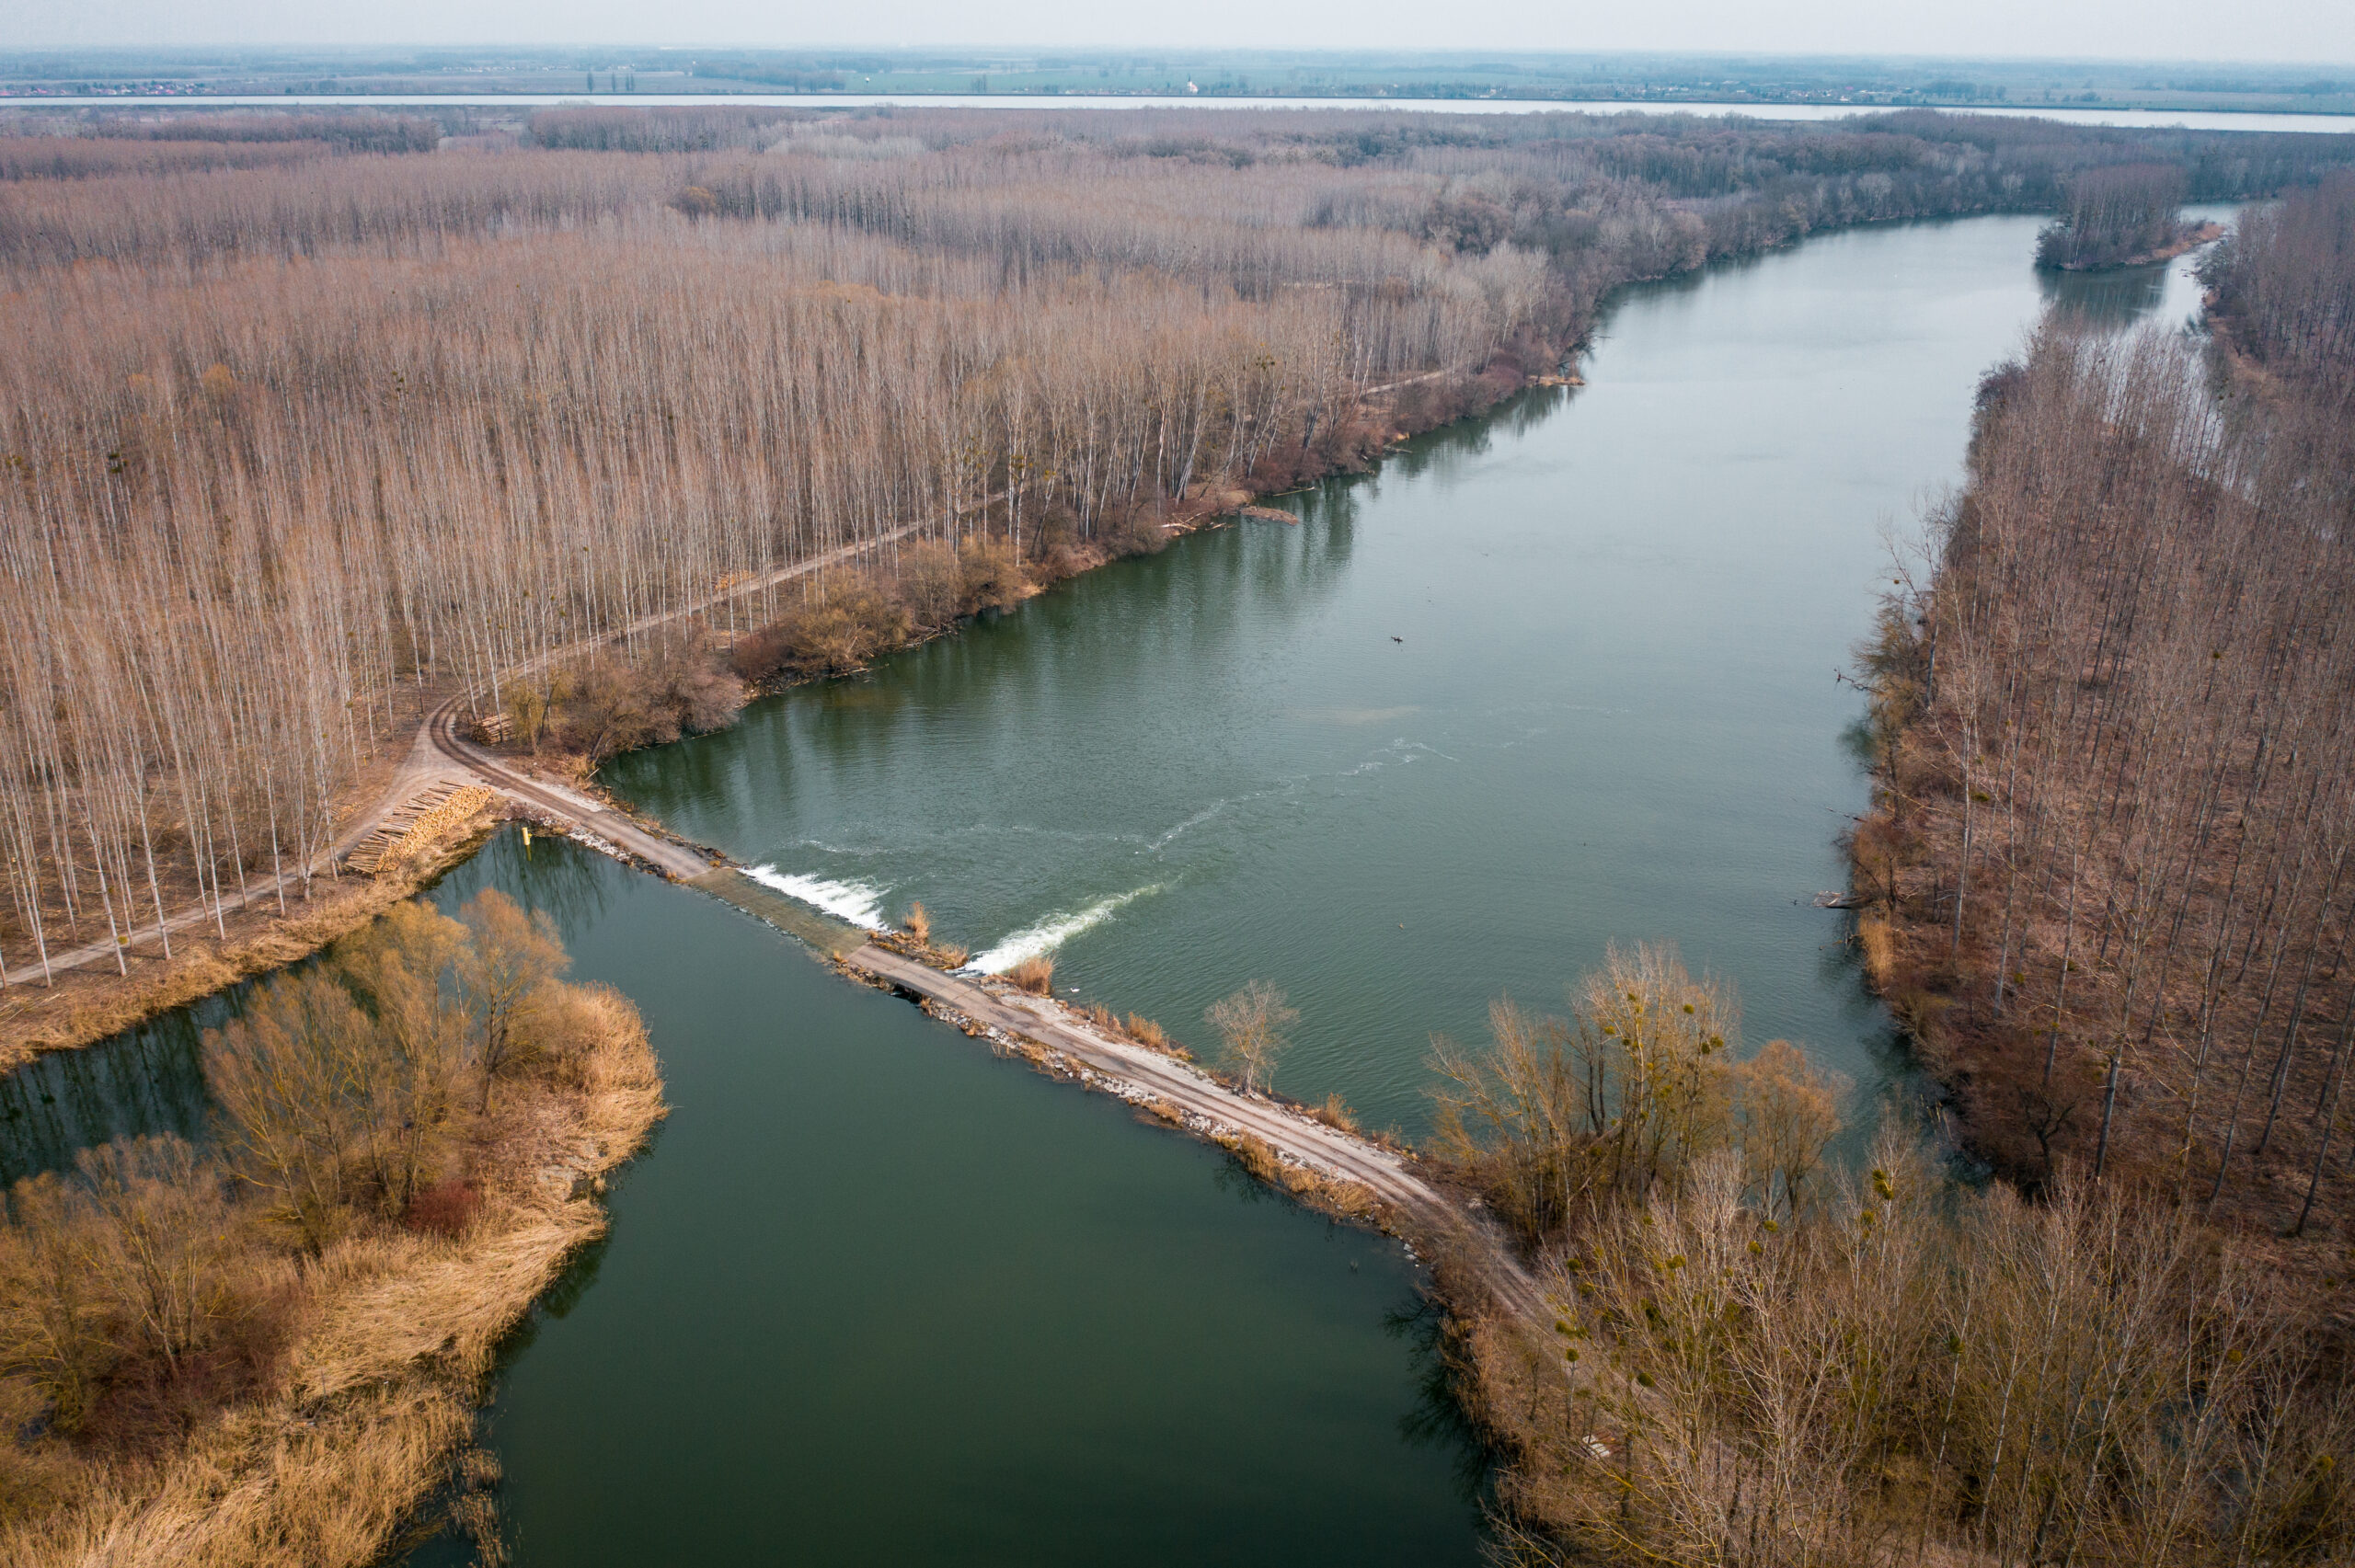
1557,677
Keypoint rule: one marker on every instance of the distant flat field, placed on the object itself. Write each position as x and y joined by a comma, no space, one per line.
2127,117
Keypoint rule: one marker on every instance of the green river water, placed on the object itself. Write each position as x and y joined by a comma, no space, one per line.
1558,677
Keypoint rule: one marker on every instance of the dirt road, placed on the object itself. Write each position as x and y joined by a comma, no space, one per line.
1418,1209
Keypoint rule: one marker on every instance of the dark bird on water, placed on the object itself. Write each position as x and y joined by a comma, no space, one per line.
1397,639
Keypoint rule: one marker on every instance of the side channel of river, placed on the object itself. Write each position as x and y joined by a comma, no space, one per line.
874,1296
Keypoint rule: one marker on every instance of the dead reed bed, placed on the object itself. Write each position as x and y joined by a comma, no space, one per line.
292,1377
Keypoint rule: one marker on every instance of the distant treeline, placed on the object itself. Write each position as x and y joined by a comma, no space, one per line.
286,449
182,143
360,132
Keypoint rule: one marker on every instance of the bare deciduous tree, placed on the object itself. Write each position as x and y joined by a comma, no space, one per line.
509,957
1251,1025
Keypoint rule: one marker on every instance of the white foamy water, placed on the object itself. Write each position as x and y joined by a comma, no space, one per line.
1032,941
1196,821
861,903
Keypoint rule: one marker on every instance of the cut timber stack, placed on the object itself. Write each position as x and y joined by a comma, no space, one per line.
417,822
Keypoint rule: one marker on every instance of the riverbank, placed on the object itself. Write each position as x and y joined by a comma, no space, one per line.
315,1403
564,725
85,1004
2101,882
77,1002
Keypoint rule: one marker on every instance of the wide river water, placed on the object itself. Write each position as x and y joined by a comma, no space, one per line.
1551,678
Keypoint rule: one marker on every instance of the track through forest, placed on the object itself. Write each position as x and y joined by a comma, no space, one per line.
438,755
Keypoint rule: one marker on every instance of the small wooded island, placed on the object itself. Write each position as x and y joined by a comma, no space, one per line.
2123,215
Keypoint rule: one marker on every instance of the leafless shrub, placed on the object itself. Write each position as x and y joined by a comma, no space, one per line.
834,634
1252,1025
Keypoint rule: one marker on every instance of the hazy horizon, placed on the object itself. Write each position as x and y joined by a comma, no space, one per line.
2316,32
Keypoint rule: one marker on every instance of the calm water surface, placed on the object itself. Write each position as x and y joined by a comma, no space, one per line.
877,1297
1557,678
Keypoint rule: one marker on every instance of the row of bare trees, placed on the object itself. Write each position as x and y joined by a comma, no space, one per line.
2116,847
2116,214
261,511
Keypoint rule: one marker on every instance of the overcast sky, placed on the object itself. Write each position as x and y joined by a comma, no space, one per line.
2315,31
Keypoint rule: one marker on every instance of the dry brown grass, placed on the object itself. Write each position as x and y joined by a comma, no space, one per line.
1328,1194
392,1335
1034,974
1879,945
1335,1114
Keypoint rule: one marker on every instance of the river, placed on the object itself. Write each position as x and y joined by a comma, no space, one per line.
1558,677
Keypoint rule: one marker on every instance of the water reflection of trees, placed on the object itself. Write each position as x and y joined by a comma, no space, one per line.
1447,451
571,881
1438,1419
853,737
2109,300
150,1078
846,751
147,1080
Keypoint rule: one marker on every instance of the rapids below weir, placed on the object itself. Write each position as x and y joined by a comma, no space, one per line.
1549,678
